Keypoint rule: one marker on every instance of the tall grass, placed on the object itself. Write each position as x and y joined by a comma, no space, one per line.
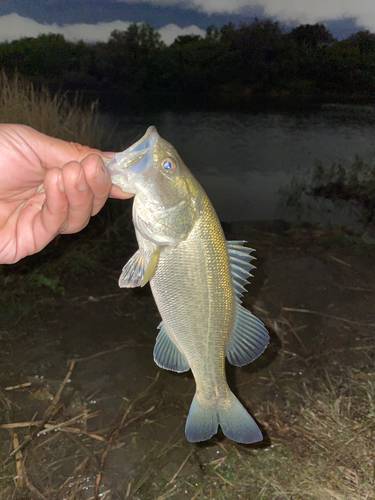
55,115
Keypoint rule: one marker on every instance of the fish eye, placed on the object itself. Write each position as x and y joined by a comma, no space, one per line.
169,165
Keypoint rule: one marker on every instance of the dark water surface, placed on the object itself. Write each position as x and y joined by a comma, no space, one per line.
245,162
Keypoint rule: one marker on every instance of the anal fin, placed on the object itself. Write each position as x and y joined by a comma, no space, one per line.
167,355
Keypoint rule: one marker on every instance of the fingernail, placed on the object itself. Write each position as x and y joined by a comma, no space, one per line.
81,184
101,175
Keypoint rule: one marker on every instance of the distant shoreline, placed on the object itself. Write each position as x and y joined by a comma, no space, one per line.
118,102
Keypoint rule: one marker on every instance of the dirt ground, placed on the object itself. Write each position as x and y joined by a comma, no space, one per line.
116,427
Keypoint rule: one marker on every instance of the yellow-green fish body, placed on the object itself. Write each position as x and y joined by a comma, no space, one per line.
196,277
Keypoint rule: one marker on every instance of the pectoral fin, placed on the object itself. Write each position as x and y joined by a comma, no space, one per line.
137,272
151,266
167,355
133,271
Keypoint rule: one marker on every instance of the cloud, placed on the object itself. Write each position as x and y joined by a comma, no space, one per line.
170,32
91,33
310,12
300,11
13,27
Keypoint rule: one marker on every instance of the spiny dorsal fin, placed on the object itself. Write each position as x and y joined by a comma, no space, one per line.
240,258
167,355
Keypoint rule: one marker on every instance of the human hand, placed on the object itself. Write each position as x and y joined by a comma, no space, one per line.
47,187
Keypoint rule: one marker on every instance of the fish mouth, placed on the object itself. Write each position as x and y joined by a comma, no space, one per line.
135,159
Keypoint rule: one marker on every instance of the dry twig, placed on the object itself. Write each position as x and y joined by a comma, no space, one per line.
53,427
19,386
51,410
122,346
324,315
181,466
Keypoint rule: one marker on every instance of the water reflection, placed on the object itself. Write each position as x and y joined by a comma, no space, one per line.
244,161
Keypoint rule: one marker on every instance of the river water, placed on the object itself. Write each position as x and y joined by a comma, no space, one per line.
246,162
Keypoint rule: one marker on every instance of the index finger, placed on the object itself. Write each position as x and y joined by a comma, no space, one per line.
54,152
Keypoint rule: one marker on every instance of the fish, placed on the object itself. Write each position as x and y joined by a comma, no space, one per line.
197,279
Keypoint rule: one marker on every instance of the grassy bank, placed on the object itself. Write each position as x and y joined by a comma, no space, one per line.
354,183
313,395
320,447
57,115
322,443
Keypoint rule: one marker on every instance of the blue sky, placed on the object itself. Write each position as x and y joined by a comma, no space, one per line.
93,20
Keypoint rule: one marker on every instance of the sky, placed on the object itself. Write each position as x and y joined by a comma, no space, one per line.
94,20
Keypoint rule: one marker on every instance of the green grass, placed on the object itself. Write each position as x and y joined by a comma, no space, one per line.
68,258
357,173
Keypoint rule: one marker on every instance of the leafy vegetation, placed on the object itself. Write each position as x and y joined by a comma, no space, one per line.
227,67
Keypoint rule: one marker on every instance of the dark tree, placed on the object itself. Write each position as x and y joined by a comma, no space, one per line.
365,41
312,35
132,57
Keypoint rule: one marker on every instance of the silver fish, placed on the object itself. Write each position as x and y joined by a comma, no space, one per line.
197,279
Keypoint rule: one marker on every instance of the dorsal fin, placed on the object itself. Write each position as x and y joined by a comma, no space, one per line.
248,340
240,258
249,337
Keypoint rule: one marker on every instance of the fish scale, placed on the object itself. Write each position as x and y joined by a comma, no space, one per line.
197,272
197,279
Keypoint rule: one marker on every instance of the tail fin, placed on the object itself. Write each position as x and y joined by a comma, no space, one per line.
202,422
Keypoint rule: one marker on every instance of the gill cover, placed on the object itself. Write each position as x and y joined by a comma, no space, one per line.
164,209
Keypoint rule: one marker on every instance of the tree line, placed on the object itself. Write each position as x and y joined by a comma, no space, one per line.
228,66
